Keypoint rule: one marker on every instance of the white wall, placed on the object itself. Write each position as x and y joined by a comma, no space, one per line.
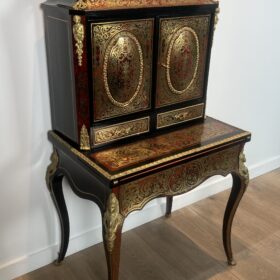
244,90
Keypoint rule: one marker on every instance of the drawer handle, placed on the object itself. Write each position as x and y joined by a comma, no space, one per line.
124,131
181,116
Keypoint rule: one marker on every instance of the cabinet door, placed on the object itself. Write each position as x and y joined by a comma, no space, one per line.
183,45
122,67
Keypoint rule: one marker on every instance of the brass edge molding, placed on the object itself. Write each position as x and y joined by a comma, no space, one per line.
152,164
84,139
178,110
93,4
121,130
52,167
243,170
79,36
105,69
169,54
112,220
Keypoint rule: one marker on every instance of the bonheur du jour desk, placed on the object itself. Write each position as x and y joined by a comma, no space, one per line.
125,178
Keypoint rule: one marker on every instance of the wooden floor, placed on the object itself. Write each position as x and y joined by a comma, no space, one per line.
188,245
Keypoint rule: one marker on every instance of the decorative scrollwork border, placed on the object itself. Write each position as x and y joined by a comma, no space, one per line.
119,131
177,180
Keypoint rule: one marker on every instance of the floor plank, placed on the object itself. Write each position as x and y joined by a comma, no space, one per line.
189,244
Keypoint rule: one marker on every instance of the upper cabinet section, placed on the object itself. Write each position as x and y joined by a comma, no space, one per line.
122,67
182,58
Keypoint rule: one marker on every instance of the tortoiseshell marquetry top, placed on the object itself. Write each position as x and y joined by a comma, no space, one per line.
154,152
169,145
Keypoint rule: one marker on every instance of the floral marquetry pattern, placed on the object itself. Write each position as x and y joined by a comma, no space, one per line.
177,180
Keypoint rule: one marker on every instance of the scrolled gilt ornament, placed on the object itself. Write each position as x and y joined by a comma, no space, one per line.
112,221
84,139
79,36
243,170
52,167
217,17
81,5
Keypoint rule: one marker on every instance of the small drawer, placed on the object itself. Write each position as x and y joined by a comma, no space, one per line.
180,116
120,131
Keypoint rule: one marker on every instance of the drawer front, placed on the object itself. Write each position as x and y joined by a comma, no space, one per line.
119,131
180,116
122,67
177,180
183,48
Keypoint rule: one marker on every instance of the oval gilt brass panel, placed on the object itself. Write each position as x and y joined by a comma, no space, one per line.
182,60
123,69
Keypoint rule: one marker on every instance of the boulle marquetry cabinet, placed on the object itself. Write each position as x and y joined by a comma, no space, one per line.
123,69
128,83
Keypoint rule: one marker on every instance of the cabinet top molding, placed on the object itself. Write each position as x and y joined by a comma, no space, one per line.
123,4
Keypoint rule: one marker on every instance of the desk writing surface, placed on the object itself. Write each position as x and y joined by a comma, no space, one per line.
167,146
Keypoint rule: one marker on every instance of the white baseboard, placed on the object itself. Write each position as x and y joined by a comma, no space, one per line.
153,210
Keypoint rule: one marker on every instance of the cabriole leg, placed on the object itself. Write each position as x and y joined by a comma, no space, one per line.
240,183
54,183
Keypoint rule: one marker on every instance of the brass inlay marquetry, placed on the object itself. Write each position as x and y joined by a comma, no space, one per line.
148,165
122,67
120,131
84,139
180,116
112,220
79,36
121,45
177,180
114,4
183,45
176,46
